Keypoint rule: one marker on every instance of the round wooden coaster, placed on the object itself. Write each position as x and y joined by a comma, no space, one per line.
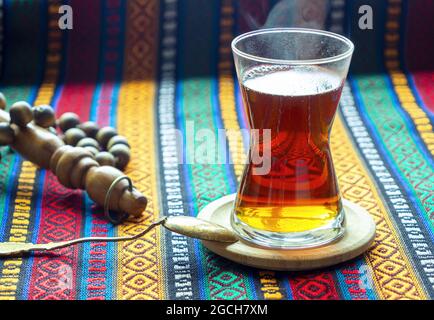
358,237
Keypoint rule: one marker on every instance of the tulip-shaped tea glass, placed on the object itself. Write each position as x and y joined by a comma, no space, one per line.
291,81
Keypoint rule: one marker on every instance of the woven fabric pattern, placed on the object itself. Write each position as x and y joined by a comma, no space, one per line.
149,67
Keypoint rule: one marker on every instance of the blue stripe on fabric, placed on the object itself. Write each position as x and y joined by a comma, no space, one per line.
288,290
115,100
252,281
93,115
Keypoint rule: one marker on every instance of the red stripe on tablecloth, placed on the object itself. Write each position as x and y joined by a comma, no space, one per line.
320,286
83,57
55,276
424,83
419,49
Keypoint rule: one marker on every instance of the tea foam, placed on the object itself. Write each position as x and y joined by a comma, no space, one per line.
291,81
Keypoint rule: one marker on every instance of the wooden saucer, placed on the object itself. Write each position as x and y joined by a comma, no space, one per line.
358,237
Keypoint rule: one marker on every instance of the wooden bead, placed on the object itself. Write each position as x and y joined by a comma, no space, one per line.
36,144
117,140
98,181
68,120
7,134
52,130
104,135
67,161
90,128
21,113
74,166
88,142
92,150
73,136
122,155
79,171
2,101
54,160
44,116
105,159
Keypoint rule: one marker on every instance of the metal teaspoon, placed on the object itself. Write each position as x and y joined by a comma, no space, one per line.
188,226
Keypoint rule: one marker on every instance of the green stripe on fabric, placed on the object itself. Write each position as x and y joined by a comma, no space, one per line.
399,144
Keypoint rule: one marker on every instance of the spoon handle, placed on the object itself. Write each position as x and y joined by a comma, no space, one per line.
18,248
188,226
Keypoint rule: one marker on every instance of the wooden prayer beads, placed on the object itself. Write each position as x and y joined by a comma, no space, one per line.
90,128
2,101
96,140
104,135
105,159
73,136
121,152
88,142
117,140
21,113
68,120
6,134
29,131
92,150
43,116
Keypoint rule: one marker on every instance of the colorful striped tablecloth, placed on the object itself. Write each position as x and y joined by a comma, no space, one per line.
148,67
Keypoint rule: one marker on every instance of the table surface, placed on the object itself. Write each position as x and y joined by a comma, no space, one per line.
147,67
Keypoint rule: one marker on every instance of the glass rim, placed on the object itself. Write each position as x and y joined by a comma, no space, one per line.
334,58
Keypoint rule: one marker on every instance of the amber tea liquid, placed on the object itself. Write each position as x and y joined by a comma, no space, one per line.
299,192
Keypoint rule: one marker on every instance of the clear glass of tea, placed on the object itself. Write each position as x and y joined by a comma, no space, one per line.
291,81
